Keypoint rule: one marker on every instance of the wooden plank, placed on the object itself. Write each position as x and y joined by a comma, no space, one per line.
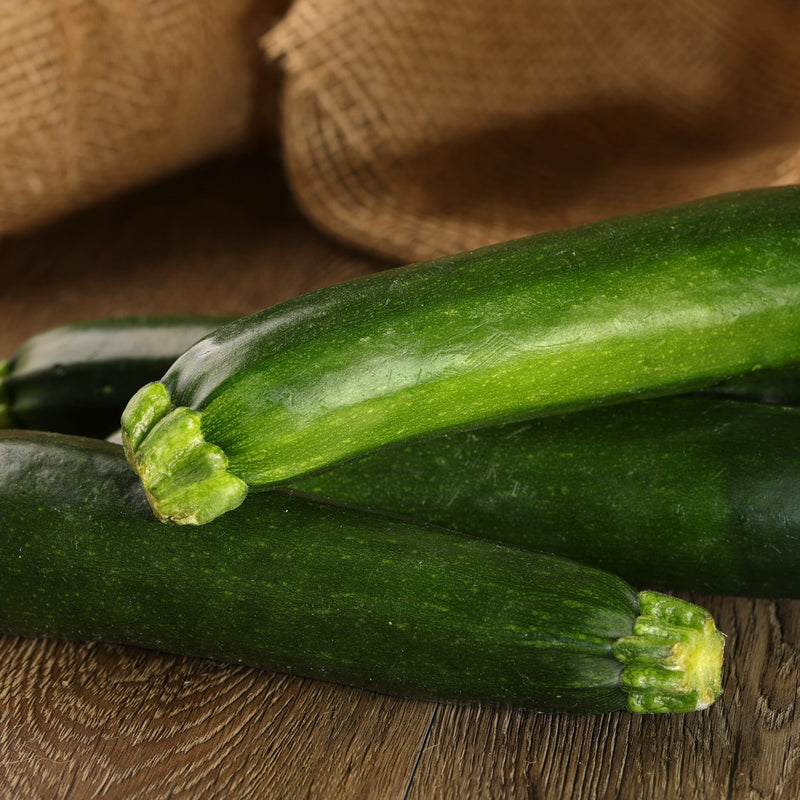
95,721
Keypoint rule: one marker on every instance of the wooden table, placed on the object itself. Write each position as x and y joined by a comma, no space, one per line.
85,720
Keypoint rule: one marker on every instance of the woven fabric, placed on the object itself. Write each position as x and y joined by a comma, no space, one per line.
100,95
415,128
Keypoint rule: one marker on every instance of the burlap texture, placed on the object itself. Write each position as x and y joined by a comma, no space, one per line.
414,128
97,96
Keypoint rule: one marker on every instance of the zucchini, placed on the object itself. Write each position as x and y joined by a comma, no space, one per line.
77,378
684,493
647,304
328,592
779,386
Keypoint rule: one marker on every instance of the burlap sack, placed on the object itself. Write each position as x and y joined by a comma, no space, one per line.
100,95
419,127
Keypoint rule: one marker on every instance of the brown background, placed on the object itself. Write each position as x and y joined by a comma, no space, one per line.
80,721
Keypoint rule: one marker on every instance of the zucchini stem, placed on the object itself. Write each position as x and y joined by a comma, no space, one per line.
673,659
186,478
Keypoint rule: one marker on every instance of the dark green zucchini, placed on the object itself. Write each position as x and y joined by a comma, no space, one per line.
648,304
77,378
328,592
778,386
683,493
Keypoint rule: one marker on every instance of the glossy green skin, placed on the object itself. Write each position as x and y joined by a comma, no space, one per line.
641,305
305,588
77,378
680,493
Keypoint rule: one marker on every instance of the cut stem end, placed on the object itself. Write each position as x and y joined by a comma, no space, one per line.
186,478
673,659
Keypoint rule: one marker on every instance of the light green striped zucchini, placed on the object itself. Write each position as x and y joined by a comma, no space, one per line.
643,305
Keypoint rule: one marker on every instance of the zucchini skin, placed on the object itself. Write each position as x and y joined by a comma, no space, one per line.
781,387
647,304
328,592
683,493
77,378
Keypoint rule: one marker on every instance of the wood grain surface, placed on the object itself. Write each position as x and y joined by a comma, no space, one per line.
80,721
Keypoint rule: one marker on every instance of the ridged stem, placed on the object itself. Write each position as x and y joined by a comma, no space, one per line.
186,477
673,659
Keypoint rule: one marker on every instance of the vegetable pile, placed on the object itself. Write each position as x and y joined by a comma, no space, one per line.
439,481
